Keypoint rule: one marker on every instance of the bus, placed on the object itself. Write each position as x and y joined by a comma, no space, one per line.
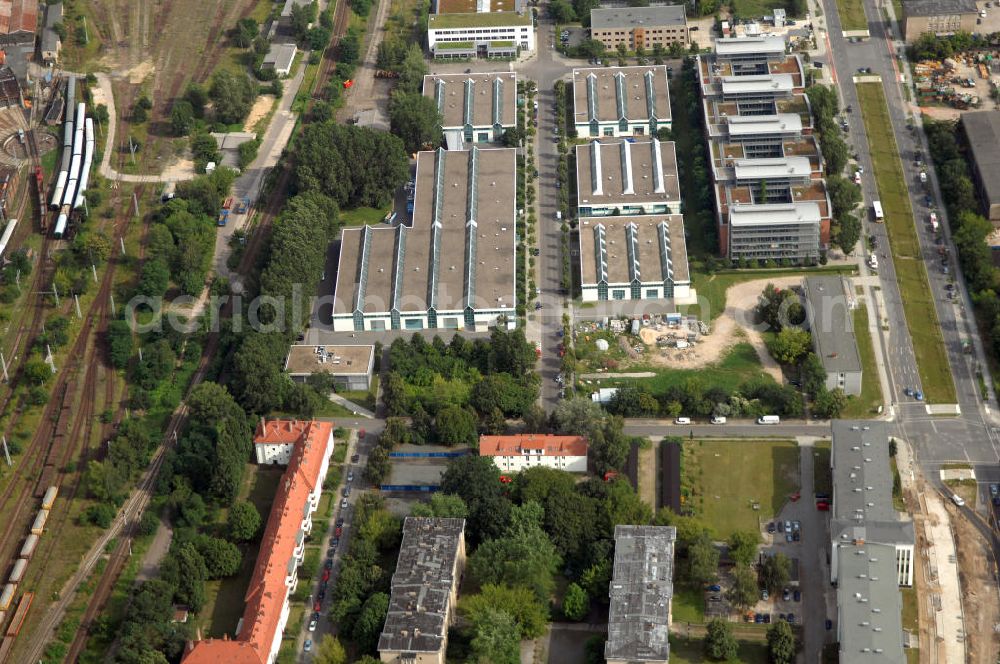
877,209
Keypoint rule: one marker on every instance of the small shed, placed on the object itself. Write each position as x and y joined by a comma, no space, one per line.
280,58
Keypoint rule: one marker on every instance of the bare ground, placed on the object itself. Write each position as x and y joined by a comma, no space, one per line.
980,602
261,107
736,324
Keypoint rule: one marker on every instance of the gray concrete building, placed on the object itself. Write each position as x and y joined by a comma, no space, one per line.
829,300
639,26
871,545
424,591
982,130
475,108
938,17
349,366
641,592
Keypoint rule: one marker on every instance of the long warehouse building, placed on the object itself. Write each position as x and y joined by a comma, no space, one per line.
453,268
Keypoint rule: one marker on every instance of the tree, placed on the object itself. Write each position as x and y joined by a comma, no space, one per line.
329,651
442,505
523,555
232,95
495,640
245,32
302,16
561,11
412,70
244,521
813,374
829,403
720,644
368,626
609,446
703,560
455,425
848,233
257,370
36,371
781,644
775,572
790,345
844,195
743,593
743,546
529,614
576,603
181,117
476,480
222,558
197,96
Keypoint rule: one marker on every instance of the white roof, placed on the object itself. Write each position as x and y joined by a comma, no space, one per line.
771,215
764,83
740,125
740,45
786,167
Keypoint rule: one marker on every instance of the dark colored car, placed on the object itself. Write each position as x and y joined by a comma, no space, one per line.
797,596
771,527
796,536
355,458
829,624
715,588
790,618
328,564
321,595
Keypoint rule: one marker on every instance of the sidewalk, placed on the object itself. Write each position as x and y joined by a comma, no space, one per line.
351,406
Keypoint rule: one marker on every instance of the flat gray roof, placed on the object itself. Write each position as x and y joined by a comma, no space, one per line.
280,56
657,242
422,585
776,83
782,167
939,7
641,592
741,45
479,100
610,94
336,360
869,606
616,171
781,123
442,260
637,17
774,214
983,131
828,300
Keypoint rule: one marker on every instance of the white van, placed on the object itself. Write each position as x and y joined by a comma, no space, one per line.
958,500
558,215
719,419
769,419
682,420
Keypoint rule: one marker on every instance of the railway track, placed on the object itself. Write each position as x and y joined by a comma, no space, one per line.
329,62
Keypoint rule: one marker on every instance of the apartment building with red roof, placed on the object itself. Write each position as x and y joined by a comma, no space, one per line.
515,453
309,445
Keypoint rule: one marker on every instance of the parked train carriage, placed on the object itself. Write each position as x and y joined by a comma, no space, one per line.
28,549
38,527
7,596
5,238
50,497
14,628
17,572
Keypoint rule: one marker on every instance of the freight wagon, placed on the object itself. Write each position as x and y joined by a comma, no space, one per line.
38,527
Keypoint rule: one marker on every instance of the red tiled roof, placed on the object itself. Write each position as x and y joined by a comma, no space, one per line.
549,444
18,16
267,591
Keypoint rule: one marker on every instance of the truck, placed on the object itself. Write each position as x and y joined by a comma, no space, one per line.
769,419
223,217
934,221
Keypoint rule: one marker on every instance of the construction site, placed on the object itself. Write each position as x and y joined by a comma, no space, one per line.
963,82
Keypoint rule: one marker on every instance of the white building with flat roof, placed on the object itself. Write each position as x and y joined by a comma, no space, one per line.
482,35
621,101
774,231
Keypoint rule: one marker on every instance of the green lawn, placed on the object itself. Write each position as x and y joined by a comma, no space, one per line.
867,403
852,15
911,275
721,481
910,609
738,366
711,288
897,499
361,216
822,476
688,605
691,651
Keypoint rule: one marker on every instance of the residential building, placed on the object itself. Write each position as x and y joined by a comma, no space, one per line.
939,17
639,26
982,132
619,177
482,35
512,454
767,167
621,101
453,268
280,58
282,547
349,366
424,591
51,45
641,593
18,22
829,300
475,108
633,258
872,548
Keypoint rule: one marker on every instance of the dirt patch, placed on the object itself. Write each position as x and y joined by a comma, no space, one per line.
736,324
646,473
261,107
140,72
980,602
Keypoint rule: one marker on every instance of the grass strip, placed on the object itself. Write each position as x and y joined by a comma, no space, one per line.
911,274
852,15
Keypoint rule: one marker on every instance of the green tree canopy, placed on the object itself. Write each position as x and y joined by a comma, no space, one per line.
720,644
455,425
244,521
743,546
775,572
781,646
529,614
495,640
415,119
576,602
232,95
442,505
743,593
790,345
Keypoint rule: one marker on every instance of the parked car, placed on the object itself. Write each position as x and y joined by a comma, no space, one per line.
771,527
682,420
790,618
797,596
796,536
763,594
796,525
317,606
326,575
343,504
347,491
355,458
328,564
312,625
308,646
781,526
338,532
828,624
350,476
715,588
767,618
786,595
788,525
